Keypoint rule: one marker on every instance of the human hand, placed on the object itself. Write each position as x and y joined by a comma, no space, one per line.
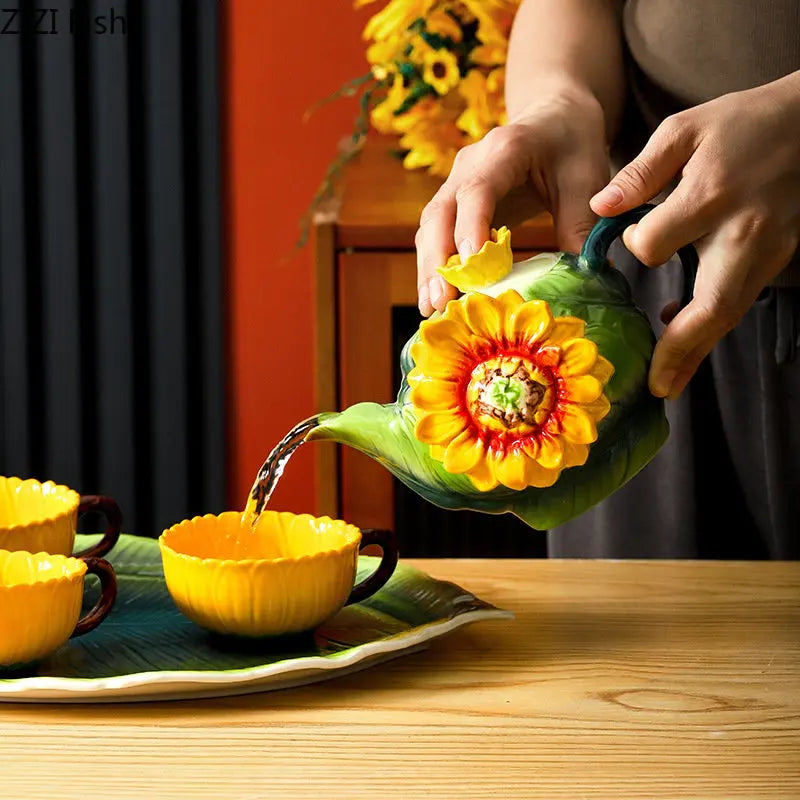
737,162
555,149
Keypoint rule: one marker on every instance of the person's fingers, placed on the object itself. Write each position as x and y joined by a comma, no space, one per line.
732,272
499,163
478,194
440,292
575,184
686,340
476,199
666,152
683,218
434,242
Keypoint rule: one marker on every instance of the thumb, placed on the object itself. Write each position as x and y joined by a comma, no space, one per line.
666,152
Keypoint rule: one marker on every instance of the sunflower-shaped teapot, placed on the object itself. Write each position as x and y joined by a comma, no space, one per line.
528,394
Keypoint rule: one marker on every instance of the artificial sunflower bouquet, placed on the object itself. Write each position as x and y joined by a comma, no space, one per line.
436,80
437,75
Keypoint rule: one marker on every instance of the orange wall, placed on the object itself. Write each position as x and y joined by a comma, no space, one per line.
281,57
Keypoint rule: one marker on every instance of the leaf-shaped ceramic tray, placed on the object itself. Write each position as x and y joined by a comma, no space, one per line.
147,650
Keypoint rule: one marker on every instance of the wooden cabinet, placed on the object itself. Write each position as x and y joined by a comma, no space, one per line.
365,272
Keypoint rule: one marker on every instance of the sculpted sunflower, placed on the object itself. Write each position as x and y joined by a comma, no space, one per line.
505,393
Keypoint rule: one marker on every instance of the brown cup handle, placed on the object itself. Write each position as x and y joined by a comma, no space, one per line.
387,541
108,507
108,594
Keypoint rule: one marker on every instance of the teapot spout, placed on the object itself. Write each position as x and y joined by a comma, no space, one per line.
363,426
386,434
374,429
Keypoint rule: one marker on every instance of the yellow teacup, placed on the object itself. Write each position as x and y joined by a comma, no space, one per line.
288,574
42,517
40,602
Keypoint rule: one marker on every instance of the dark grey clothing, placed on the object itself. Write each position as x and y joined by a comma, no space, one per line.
681,53
727,482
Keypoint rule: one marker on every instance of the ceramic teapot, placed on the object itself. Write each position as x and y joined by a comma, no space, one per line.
527,395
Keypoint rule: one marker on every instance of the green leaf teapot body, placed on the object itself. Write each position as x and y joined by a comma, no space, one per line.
529,396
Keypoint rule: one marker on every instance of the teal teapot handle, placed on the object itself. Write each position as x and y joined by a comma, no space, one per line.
594,254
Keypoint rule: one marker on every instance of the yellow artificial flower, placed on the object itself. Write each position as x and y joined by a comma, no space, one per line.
505,393
383,116
395,18
490,264
494,19
386,50
489,55
430,136
496,82
443,24
481,113
441,70
420,50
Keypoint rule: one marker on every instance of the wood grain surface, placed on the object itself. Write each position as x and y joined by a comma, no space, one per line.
616,680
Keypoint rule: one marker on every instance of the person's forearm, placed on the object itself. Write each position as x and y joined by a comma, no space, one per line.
567,47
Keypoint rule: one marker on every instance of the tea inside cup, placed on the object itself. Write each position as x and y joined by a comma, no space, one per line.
286,574
41,596
43,517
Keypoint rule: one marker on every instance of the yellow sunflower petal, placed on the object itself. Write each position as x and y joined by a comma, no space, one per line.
442,350
566,328
437,452
483,316
439,427
575,455
454,311
539,476
510,468
432,394
603,369
507,303
530,323
577,426
482,477
491,263
464,452
444,333
598,408
531,448
551,453
578,356
583,389
441,23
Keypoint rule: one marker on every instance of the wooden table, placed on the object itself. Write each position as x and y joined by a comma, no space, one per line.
616,680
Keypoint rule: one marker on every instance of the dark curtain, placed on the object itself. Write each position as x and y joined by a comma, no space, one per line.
111,295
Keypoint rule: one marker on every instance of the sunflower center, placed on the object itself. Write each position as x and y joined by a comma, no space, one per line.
508,394
439,70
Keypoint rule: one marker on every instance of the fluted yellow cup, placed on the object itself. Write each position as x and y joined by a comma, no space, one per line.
286,575
42,517
40,602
